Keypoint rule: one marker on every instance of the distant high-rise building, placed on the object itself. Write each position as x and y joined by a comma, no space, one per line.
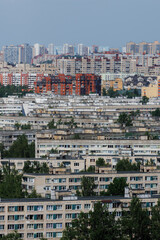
68,49
11,54
51,49
39,49
25,54
95,49
82,50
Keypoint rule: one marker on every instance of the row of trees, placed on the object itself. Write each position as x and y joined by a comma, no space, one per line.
126,93
134,224
5,91
35,167
19,149
71,123
122,165
88,186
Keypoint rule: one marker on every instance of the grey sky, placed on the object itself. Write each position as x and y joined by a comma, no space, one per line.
103,22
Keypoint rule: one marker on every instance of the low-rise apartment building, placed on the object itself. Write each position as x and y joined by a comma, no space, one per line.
147,182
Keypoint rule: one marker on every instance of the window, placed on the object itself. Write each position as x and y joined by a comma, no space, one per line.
1,209
11,226
59,207
30,208
49,234
59,234
1,218
68,216
11,218
39,217
40,208
49,216
76,164
30,235
30,226
39,235
1,227
49,225
87,206
11,209
68,207
58,225
39,226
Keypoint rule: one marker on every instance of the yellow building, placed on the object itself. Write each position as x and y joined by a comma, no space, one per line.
151,91
116,84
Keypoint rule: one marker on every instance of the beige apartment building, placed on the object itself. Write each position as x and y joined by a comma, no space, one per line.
37,218
144,182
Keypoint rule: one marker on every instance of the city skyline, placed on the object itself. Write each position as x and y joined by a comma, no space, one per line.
108,23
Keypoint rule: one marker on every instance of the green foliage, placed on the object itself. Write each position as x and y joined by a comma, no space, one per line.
35,167
156,113
33,194
76,136
26,126
99,224
131,93
5,91
111,93
91,169
136,222
104,93
125,120
87,186
21,149
125,165
144,100
53,151
155,222
51,124
100,162
17,126
117,187
12,236
11,184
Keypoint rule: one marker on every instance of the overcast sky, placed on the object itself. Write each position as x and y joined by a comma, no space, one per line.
104,22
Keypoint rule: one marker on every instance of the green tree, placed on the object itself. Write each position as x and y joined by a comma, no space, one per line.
51,124
21,149
117,187
125,120
87,186
26,126
144,100
12,236
100,162
17,126
91,169
99,224
125,165
155,222
136,222
33,194
11,184
35,167
104,93
156,113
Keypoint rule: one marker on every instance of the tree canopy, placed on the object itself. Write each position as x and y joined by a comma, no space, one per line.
125,120
98,224
35,167
134,223
126,165
19,149
87,187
